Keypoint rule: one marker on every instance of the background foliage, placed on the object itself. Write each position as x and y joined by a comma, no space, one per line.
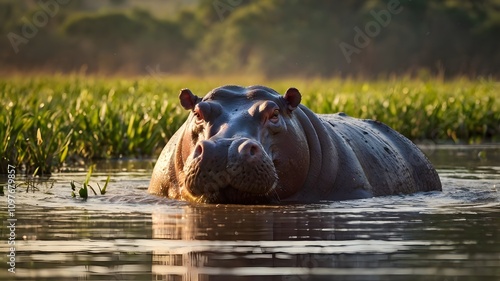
272,37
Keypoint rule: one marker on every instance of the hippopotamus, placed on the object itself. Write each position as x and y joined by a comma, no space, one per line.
252,145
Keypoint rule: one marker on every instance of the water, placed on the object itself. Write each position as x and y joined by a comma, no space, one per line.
130,235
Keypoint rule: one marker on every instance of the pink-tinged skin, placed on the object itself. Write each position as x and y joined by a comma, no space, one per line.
254,146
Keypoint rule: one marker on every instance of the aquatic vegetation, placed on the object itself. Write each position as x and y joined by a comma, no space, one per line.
49,123
83,191
35,183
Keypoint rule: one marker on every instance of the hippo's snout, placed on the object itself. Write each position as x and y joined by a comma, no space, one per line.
246,150
239,150
229,167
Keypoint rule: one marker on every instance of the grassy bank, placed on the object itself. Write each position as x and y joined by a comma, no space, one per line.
45,122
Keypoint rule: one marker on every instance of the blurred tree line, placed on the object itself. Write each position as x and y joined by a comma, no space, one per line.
273,37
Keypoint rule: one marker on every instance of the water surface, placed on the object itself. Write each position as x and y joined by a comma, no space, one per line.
128,234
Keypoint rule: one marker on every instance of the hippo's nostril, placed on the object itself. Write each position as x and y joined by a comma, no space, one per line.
198,151
253,150
249,149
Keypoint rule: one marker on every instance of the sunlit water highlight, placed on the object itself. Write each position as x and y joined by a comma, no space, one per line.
128,234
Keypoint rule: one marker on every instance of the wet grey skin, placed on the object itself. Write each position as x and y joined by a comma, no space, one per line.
251,145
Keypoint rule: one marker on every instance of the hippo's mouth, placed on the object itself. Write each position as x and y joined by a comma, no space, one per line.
233,195
233,185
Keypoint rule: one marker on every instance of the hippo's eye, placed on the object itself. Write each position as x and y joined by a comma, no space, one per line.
275,116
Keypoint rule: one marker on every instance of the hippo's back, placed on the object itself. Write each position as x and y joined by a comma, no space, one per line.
391,163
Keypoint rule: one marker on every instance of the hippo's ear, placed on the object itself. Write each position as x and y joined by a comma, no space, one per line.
188,99
292,98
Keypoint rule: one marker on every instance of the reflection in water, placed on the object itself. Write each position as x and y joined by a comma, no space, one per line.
130,235
299,243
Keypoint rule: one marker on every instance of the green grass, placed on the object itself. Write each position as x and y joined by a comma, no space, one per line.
48,121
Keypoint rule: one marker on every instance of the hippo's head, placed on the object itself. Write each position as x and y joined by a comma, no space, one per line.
241,145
